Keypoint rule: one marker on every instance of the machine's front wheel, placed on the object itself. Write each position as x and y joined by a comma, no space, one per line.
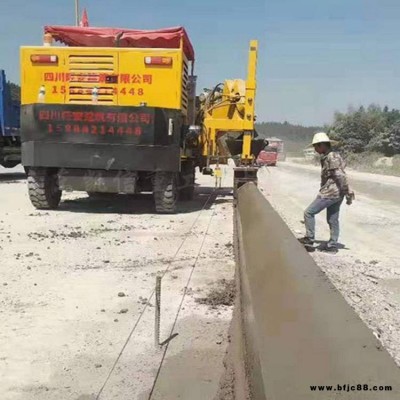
165,191
43,188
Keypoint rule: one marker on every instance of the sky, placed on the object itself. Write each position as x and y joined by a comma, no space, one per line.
316,57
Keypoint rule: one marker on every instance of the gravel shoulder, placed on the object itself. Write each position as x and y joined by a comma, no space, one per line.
367,270
379,187
76,296
356,175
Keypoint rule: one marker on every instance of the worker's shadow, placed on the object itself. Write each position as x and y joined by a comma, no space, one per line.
204,198
323,243
214,196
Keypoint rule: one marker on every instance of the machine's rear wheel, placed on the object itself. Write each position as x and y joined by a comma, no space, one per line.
186,182
43,188
165,192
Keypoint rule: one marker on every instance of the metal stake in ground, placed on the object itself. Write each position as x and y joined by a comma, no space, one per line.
157,312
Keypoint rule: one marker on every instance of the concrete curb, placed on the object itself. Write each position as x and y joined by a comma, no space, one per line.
298,329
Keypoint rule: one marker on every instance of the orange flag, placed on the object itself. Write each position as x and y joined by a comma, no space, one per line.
85,19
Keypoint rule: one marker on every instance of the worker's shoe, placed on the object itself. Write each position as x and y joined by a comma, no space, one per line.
328,248
306,241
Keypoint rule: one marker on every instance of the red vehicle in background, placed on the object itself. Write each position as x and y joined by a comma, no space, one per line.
272,153
268,156
278,143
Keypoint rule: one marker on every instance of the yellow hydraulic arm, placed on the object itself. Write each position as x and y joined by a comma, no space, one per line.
248,123
230,107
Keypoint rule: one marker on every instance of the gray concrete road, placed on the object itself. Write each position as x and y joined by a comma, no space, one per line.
77,304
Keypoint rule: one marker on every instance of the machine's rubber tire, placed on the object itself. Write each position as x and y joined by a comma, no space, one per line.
10,164
186,182
43,189
165,192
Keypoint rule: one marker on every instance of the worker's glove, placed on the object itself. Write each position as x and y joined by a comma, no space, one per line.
350,197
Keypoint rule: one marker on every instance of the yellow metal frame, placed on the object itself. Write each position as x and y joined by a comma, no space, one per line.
232,112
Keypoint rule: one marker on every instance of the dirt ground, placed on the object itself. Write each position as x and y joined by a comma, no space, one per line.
367,268
76,296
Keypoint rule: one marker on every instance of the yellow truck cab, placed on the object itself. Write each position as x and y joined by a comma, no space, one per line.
109,111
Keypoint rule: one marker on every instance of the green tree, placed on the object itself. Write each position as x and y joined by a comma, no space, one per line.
356,129
392,117
394,137
15,91
381,143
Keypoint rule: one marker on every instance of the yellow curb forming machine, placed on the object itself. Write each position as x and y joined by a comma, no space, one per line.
115,111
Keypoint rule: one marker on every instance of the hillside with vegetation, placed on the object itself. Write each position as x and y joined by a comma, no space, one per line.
371,129
296,137
369,138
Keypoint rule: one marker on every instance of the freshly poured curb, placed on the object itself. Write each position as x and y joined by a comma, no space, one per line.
298,329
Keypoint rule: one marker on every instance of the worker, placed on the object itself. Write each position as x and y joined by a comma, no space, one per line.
334,188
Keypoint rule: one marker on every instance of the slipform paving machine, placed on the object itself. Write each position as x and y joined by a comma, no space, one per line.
115,111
